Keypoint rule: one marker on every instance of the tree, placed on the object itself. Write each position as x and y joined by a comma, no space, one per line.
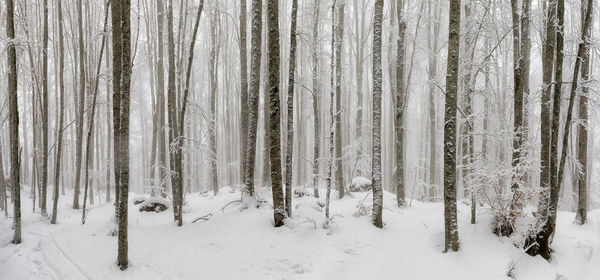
243,85
213,69
339,39
377,83
61,109
253,92
521,53
160,101
538,241
290,112
122,66
13,120
274,107
582,133
88,146
43,190
399,98
432,43
80,112
315,99
450,220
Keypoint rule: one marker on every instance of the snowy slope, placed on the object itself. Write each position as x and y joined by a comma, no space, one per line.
244,245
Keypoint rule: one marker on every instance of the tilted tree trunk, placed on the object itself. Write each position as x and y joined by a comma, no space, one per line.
581,51
377,181
253,93
399,99
275,109
582,145
61,109
81,105
13,106
290,112
450,219
339,39
315,98
88,147
243,85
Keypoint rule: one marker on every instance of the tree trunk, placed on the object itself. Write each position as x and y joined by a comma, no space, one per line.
45,96
123,129
243,85
316,101
377,121
61,109
81,106
450,219
433,60
339,39
253,93
162,152
213,69
399,99
581,51
13,121
582,145
290,112
275,117
88,147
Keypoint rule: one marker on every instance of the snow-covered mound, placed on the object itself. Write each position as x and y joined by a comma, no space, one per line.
360,184
234,244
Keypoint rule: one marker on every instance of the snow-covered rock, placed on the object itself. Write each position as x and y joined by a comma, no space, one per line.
360,184
155,204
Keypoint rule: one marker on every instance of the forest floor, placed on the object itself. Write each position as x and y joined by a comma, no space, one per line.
234,244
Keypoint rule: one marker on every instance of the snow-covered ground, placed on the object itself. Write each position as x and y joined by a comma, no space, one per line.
244,245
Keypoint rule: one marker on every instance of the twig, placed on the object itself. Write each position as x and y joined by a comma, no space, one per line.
205,217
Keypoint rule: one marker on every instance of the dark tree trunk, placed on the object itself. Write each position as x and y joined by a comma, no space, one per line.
377,83
15,179
275,108
450,219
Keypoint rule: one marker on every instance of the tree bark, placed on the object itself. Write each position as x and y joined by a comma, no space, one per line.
44,193
123,128
81,105
213,69
399,99
316,101
582,145
339,39
290,112
61,109
450,219
376,218
13,121
274,114
243,85
253,93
